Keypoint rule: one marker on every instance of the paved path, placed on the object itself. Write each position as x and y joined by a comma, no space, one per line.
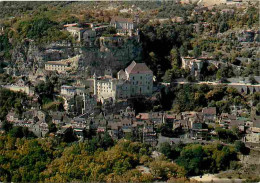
212,83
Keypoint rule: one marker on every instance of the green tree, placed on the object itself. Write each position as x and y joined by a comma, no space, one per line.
106,141
193,159
175,58
184,50
6,126
52,127
165,148
168,76
69,136
223,27
196,52
190,78
252,80
241,147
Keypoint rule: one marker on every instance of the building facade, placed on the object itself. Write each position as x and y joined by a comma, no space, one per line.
124,26
76,32
71,91
195,65
63,66
136,80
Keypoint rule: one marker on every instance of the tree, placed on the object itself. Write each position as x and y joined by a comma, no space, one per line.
196,51
223,27
20,132
164,170
6,126
168,76
175,58
258,109
226,135
45,88
252,80
225,72
193,159
250,20
241,147
106,141
5,46
52,127
191,78
110,30
165,148
69,136
184,50
16,132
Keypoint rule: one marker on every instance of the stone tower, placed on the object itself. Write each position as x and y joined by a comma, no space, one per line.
95,84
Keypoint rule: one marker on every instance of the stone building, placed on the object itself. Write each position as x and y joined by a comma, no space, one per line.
76,32
62,66
137,79
254,136
195,65
20,86
124,26
70,91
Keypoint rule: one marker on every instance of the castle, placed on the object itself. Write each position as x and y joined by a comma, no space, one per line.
135,80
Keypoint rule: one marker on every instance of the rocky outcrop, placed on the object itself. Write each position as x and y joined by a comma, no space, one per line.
113,53
97,58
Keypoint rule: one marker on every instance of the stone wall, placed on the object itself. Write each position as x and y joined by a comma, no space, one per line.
253,158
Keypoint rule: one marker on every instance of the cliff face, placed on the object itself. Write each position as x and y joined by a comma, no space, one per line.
28,54
112,55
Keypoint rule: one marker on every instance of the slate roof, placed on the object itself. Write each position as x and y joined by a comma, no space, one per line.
135,68
209,110
121,19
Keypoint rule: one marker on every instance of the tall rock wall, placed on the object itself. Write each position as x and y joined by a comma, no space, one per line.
97,58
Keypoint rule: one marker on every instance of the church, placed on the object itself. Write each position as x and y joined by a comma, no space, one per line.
135,80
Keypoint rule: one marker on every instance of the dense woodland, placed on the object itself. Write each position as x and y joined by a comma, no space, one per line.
11,100
54,160
180,98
